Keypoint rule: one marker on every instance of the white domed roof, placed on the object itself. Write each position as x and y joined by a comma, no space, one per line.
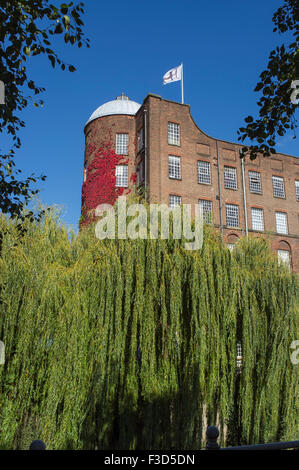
121,105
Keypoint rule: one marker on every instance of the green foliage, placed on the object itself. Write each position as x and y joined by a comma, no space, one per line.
121,344
277,104
26,30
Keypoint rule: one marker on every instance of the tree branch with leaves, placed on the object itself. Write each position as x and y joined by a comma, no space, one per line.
279,89
27,30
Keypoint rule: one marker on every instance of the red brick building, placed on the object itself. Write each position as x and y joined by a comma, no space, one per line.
178,163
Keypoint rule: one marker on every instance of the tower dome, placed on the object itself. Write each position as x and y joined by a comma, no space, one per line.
121,105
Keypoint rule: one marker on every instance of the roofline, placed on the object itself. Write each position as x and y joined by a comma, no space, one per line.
107,115
187,106
203,132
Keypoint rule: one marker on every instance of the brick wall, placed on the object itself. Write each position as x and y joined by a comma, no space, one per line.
195,145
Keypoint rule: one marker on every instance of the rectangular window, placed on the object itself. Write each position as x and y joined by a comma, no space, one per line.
232,215
174,200
278,186
297,190
173,133
204,172
239,356
255,185
140,173
174,167
257,216
281,222
206,207
122,142
121,173
140,140
230,177
284,257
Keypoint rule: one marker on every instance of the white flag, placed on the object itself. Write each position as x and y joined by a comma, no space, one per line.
173,75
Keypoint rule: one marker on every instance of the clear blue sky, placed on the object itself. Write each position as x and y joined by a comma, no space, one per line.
224,46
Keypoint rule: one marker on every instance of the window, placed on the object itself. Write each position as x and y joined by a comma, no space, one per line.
173,133
122,141
204,172
230,177
140,174
232,241
284,257
206,207
232,215
278,186
174,167
281,222
140,140
85,174
255,182
174,200
257,216
121,173
239,357
297,190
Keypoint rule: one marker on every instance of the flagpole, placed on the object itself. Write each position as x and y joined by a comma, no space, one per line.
182,84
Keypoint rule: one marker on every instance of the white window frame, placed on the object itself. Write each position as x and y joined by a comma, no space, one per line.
140,140
278,187
174,137
297,190
284,256
257,219
232,215
230,177
121,173
239,357
174,200
203,172
174,167
122,144
207,210
255,185
281,222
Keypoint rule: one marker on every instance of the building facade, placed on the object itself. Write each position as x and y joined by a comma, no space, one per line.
178,163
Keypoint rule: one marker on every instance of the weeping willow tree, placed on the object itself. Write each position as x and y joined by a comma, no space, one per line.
122,344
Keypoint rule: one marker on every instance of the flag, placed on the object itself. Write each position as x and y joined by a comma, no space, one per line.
173,75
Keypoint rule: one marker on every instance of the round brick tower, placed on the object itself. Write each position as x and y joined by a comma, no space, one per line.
110,128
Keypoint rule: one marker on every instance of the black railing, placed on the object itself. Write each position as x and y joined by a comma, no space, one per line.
37,445
212,444
213,434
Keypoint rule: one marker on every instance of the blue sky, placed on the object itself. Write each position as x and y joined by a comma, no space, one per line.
224,47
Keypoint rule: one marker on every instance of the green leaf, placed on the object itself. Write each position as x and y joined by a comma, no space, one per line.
52,59
58,29
64,8
259,86
66,20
